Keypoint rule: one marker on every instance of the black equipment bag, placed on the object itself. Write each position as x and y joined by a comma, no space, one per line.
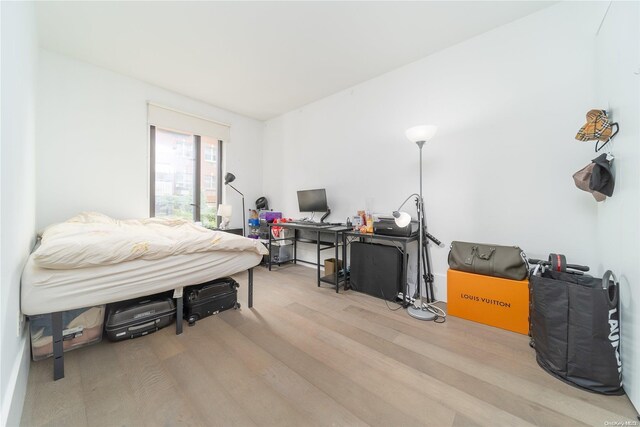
575,329
139,317
210,298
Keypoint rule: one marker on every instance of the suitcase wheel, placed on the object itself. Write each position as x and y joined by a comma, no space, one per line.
192,320
237,306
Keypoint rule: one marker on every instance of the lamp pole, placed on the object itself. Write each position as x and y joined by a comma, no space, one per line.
243,210
418,311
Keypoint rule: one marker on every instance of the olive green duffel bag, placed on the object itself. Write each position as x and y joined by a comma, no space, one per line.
491,260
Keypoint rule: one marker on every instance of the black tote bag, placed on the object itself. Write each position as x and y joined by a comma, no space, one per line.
575,329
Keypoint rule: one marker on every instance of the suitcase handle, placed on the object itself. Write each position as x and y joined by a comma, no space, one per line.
143,326
612,290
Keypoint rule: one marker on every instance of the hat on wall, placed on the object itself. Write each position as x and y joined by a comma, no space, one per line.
597,128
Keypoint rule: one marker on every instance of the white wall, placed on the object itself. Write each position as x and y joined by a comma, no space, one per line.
508,104
93,148
617,66
17,198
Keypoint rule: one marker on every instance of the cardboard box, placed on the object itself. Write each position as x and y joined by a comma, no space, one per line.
330,265
494,301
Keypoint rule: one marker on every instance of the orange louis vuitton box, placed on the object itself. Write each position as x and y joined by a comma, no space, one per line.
494,301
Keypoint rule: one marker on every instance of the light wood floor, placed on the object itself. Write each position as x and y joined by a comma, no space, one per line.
306,356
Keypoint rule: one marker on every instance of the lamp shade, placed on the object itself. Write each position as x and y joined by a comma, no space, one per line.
402,219
229,177
225,211
421,133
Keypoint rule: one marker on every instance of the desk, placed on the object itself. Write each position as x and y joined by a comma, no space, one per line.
336,232
403,241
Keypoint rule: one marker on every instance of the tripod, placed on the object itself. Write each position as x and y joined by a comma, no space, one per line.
419,311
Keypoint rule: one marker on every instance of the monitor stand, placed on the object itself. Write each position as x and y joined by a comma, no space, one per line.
325,215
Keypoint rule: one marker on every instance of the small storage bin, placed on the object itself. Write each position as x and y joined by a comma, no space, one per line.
280,254
81,327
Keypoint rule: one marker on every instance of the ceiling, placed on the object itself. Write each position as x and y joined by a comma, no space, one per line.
262,59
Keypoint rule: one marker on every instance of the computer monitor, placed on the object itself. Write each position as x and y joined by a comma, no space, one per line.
313,200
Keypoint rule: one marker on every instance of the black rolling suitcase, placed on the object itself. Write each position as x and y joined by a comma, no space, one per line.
210,298
139,317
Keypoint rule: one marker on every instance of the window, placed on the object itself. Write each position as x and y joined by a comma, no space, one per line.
185,175
209,182
210,154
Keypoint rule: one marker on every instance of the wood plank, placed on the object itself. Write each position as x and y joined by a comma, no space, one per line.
494,395
57,403
364,403
154,390
109,398
207,396
318,408
256,398
520,379
424,394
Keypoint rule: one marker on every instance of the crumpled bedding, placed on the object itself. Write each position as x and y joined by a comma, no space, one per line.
92,239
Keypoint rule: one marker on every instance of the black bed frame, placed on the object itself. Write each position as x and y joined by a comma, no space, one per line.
56,324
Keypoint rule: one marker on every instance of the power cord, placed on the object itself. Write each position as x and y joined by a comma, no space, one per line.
386,301
440,313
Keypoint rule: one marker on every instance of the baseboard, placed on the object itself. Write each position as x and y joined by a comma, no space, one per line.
13,401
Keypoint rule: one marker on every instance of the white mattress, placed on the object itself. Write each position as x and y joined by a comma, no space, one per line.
48,291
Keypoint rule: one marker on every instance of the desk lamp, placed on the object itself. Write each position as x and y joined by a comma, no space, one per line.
225,211
228,179
420,135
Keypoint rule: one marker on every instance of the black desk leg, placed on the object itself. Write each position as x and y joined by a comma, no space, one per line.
344,259
336,269
295,245
58,350
179,315
250,289
318,255
270,244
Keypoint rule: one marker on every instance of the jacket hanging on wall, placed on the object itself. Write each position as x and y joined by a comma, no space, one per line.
596,178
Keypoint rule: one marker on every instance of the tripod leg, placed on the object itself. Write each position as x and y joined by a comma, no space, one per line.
428,280
428,275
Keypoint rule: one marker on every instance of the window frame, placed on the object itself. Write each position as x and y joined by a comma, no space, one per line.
197,174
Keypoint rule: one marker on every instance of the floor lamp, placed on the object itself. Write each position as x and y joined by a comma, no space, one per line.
228,179
420,135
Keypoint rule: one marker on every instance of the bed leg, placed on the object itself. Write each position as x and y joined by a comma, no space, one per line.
58,349
250,290
179,315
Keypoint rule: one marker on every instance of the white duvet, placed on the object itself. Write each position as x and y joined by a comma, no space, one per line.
92,239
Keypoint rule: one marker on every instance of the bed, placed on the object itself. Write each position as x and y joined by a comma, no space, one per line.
93,259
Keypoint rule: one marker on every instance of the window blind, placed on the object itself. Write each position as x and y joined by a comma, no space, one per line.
168,118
